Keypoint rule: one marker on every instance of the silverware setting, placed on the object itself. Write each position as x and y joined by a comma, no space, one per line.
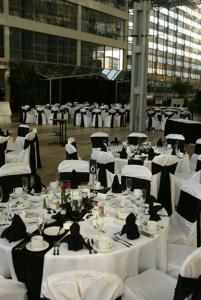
56,250
90,242
122,241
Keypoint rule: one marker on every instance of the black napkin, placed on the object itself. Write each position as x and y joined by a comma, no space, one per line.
130,228
123,153
151,154
75,240
38,185
116,186
153,209
160,143
16,231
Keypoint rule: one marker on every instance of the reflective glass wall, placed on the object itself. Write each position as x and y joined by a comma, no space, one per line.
29,45
56,12
1,6
102,24
1,41
120,4
101,56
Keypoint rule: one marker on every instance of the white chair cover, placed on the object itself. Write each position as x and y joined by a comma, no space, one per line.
12,290
83,285
22,131
70,165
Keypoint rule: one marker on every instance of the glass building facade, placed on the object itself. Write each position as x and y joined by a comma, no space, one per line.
174,44
1,41
1,6
60,13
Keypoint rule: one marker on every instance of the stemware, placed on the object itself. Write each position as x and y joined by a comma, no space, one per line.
1,193
41,224
25,183
128,184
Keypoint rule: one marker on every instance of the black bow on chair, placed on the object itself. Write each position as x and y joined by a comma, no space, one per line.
122,119
188,287
96,116
164,195
25,111
159,118
2,153
112,114
32,156
83,113
102,176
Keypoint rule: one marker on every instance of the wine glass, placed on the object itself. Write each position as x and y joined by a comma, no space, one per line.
25,184
128,184
41,224
1,193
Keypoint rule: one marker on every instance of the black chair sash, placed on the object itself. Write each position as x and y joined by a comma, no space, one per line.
188,287
82,118
32,155
2,154
81,177
159,117
102,176
40,116
198,165
54,116
98,141
137,183
22,131
36,140
96,116
112,114
180,144
189,207
127,115
132,140
149,122
138,162
25,111
122,119
164,194
72,156
197,149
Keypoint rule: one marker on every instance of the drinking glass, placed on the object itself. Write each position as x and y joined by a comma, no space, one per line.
41,224
128,184
25,184
1,193
65,191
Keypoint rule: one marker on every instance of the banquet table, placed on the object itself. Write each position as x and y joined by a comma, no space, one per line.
191,130
145,252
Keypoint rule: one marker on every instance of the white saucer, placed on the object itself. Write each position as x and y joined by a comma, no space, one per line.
98,188
14,195
30,248
103,250
53,231
157,231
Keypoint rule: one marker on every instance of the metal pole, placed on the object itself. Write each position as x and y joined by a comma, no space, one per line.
139,65
50,92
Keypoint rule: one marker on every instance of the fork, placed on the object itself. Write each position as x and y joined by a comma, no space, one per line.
58,246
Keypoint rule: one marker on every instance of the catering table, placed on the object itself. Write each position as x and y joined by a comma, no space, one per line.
145,252
191,130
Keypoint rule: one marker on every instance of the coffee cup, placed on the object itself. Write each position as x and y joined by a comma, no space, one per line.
53,185
104,243
18,190
97,184
37,241
152,225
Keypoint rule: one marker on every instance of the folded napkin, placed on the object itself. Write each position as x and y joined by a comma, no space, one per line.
75,240
16,231
151,154
116,186
159,143
38,186
123,153
130,228
153,209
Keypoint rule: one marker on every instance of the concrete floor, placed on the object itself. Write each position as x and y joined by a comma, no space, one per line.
52,155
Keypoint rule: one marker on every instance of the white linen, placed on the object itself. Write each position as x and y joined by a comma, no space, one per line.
15,168
12,290
70,165
136,171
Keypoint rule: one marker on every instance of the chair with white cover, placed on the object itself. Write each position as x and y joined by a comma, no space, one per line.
184,226
141,177
66,168
83,285
11,176
153,284
12,290
110,120
96,118
40,115
105,163
135,138
54,114
83,119
196,153
176,140
162,168
71,152
98,139
21,133
28,115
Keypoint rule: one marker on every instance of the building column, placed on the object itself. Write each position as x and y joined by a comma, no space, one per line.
7,59
139,66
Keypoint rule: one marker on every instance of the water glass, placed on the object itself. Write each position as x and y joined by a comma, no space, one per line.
1,193
25,184
128,184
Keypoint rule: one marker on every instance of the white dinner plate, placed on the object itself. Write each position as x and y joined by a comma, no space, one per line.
103,250
53,231
30,248
156,231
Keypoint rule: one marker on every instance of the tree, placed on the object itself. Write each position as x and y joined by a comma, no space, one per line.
181,88
195,104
